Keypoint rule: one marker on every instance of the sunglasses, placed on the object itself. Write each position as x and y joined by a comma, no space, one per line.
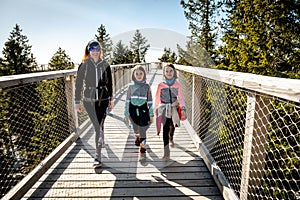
97,49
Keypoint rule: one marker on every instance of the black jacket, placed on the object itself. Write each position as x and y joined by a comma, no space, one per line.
96,79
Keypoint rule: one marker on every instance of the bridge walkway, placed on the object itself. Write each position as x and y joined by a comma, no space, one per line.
123,175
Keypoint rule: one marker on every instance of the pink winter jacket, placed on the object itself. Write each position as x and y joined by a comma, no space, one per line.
163,94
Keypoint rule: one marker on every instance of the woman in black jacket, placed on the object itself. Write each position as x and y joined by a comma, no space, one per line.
94,79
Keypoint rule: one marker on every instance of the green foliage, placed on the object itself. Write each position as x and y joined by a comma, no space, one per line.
6,142
283,147
201,15
18,58
17,128
121,54
60,61
168,56
195,55
139,47
262,38
106,43
49,126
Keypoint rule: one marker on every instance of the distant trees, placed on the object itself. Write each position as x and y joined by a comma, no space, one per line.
60,61
168,56
105,41
122,54
139,46
134,54
18,58
201,16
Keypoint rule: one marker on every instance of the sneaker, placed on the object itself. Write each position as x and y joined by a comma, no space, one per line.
137,141
97,164
142,157
142,154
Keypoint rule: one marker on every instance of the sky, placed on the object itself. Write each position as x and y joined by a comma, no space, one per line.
70,24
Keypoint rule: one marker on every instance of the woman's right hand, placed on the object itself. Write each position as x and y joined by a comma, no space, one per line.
78,107
126,119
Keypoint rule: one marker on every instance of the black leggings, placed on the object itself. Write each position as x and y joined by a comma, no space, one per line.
97,114
168,130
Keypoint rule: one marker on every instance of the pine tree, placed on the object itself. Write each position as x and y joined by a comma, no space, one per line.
263,38
201,15
139,46
121,54
195,55
168,56
105,41
60,61
18,58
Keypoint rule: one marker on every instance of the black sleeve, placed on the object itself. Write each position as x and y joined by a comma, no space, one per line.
79,82
110,82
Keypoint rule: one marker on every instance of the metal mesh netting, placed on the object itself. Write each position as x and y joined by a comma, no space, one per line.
35,119
253,138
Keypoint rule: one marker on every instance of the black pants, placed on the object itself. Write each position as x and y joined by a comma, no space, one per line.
168,130
97,114
168,133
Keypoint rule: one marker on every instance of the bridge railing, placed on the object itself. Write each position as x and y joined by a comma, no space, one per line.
38,123
249,130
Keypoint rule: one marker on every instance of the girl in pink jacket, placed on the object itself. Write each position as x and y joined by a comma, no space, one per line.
167,99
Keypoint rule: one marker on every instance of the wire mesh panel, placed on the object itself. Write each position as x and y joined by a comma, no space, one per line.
253,138
35,119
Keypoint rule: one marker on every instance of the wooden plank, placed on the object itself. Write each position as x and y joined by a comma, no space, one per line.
159,192
121,184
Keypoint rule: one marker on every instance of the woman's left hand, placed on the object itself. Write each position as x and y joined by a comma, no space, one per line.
111,105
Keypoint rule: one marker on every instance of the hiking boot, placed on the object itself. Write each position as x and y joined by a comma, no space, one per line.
97,164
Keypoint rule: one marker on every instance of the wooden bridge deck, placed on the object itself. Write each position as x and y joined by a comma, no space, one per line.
123,176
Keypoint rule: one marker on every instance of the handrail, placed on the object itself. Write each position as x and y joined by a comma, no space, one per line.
20,79
281,87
